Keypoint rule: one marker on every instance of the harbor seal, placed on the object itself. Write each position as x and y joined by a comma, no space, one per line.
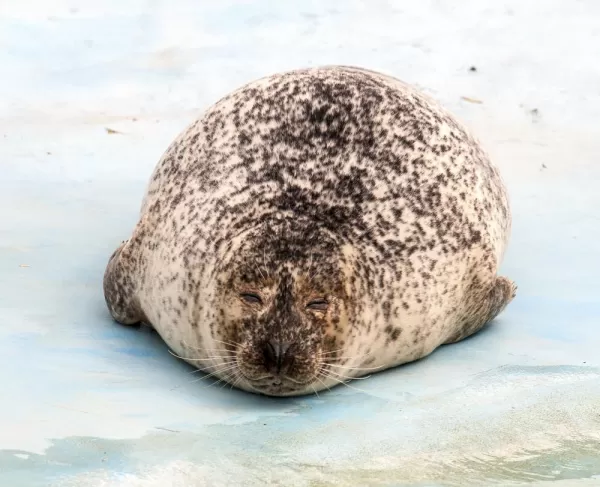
314,226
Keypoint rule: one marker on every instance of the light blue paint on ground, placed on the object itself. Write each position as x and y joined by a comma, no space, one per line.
86,402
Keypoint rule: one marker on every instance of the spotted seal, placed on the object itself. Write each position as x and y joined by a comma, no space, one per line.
312,226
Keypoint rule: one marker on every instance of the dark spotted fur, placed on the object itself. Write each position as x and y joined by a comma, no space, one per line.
334,183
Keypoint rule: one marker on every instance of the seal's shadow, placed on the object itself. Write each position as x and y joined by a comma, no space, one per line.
193,382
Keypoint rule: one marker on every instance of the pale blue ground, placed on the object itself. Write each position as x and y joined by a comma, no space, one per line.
85,402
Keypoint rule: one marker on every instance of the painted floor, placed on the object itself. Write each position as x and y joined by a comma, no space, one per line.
91,94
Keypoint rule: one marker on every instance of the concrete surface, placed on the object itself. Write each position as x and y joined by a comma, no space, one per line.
85,402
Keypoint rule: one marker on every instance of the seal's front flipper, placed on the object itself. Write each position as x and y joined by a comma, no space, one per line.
120,286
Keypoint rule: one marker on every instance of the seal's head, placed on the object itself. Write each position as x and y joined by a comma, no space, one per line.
284,311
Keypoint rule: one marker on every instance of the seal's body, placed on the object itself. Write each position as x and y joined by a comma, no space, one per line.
312,226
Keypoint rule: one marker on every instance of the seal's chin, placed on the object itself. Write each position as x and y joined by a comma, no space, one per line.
275,385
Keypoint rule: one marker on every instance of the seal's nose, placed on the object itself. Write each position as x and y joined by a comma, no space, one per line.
277,356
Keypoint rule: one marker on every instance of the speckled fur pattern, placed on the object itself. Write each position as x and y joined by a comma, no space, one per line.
337,184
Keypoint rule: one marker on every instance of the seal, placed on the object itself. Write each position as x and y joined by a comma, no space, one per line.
314,226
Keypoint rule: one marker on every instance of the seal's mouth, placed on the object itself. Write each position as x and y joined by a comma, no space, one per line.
277,368
277,385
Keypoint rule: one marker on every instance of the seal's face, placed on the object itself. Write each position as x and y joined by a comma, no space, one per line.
283,326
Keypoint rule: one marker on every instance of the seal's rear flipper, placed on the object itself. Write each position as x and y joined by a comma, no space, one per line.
503,291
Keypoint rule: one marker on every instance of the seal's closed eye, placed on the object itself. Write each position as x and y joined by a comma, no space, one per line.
318,304
251,298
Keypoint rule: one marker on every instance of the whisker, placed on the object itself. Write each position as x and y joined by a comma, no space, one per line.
189,347
211,358
344,383
352,378
207,376
265,258
215,383
311,276
231,344
229,362
230,352
232,376
224,367
341,376
190,359
260,271
234,384
324,385
216,350
222,370
333,352
352,368
178,356
225,380
346,358
216,368
204,349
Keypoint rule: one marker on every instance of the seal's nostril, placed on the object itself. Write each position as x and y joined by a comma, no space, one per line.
277,356
270,355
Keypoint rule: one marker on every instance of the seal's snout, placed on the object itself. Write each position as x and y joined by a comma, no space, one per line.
278,357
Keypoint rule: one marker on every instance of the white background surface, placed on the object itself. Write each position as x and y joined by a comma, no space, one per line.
85,402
